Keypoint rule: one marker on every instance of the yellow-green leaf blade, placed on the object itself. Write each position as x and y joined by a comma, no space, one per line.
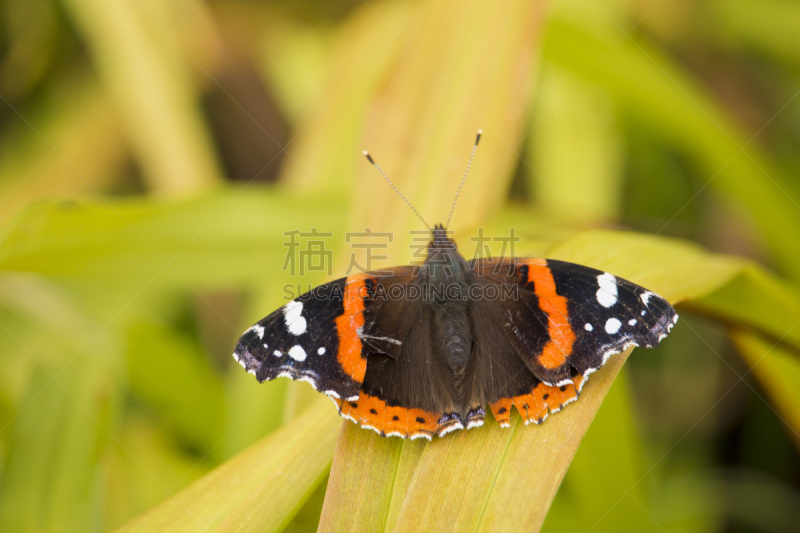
758,300
258,490
778,372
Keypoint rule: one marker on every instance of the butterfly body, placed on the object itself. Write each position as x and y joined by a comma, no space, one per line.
448,283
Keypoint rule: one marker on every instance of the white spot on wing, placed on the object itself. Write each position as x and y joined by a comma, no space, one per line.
298,327
588,327
632,322
612,326
258,329
607,293
646,297
297,353
292,314
321,351
277,353
293,310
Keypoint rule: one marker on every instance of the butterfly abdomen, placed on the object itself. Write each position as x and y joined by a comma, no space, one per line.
451,325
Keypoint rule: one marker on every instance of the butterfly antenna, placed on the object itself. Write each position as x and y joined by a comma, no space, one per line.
460,185
374,164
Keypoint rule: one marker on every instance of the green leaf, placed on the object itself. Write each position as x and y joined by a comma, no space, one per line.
441,85
603,489
261,489
402,485
768,26
676,269
215,240
49,477
139,472
326,154
169,371
580,188
444,493
156,99
756,299
778,372
651,90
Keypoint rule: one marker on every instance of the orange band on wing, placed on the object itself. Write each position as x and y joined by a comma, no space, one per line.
535,405
501,409
373,413
562,337
348,325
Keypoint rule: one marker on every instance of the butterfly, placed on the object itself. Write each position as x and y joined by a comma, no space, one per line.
417,351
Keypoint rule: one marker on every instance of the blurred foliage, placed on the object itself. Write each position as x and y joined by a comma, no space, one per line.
152,155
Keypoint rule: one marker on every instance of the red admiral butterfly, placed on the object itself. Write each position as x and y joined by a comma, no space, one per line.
421,350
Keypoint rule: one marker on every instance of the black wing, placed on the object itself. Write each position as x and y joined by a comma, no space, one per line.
321,337
567,319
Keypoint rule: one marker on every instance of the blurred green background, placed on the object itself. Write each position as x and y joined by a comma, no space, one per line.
152,155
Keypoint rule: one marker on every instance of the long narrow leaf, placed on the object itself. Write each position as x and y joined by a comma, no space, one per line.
655,91
158,103
758,300
778,372
261,488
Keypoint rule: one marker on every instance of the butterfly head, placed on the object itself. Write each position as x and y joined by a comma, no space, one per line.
443,257
440,238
